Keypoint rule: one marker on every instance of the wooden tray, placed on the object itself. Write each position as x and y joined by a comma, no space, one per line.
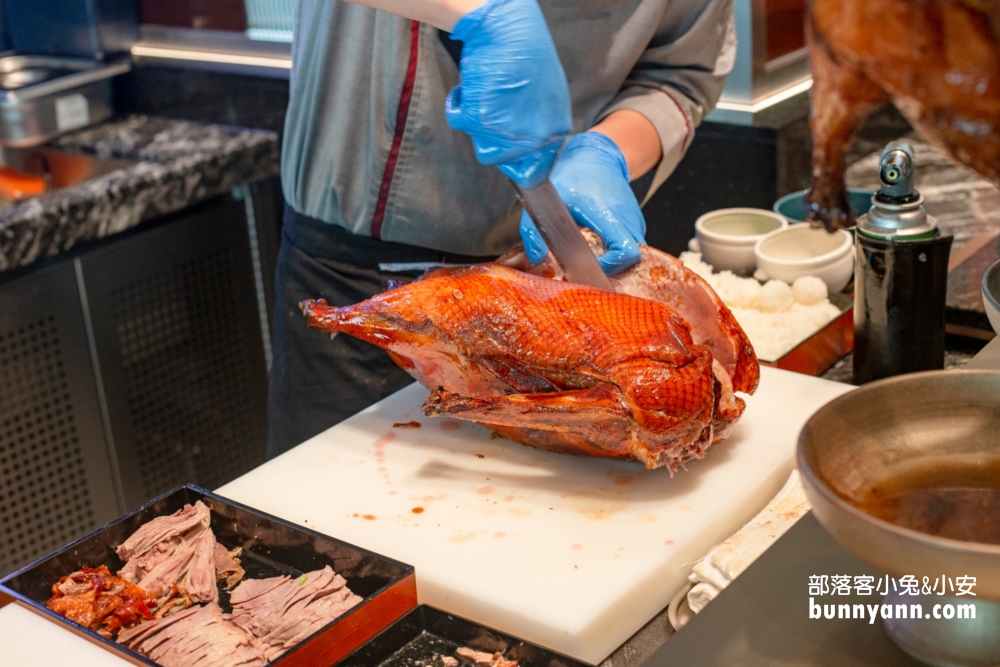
271,547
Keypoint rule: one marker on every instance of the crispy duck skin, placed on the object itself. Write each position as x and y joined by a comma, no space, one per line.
664,278
548,363
938,61
95,598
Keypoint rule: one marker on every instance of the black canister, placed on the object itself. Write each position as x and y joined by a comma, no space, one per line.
899,302
901,278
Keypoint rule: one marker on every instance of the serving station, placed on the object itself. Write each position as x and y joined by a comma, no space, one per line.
575,555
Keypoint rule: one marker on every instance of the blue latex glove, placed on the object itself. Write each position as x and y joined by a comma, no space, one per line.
592,179
513,99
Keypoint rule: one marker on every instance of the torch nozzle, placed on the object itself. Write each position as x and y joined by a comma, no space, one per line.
896,171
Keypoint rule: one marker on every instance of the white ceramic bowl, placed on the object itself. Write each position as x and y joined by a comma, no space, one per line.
800,250
726,237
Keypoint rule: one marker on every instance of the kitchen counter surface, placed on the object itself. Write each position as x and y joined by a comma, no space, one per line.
175,164
762,618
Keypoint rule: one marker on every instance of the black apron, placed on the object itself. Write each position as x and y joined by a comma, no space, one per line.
317,382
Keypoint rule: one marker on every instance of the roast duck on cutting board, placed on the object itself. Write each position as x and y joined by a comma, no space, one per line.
646,373
938,61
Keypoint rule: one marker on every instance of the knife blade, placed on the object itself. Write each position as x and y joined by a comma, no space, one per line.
562,235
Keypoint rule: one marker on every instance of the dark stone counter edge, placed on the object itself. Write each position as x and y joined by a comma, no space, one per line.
127,197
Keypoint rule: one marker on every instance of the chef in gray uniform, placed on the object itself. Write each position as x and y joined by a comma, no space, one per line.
407,117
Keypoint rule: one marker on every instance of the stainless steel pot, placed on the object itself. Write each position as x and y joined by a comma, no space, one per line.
891,428
991,295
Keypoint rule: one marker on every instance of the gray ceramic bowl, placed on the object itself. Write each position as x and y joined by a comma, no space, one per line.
991,295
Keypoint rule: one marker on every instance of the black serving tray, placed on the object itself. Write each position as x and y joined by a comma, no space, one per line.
425,634
271,547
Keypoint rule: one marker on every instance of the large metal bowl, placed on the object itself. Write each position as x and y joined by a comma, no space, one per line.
888,428
991,295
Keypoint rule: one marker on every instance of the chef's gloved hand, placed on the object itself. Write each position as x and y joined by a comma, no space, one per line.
592,179
513,99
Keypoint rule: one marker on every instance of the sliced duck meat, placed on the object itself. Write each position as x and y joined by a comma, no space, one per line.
196,637
281,611
478,657
139,566
163,529
169,571
199,580
254,589
483,659
187,559
141,632
227,566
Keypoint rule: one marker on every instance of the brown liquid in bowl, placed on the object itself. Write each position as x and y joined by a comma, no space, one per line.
960,502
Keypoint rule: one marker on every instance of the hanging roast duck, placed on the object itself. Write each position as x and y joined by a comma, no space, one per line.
938,61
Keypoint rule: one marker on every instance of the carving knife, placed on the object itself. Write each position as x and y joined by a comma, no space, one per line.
562,235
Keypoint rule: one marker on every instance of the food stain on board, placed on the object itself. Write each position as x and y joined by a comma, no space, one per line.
380,456
485,490
461,536
599,511
417,510
413,424
368,517
449,425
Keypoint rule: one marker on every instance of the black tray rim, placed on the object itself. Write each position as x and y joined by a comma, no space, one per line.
113,645
423,608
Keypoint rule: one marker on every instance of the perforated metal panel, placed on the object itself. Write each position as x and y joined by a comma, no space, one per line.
55,475
178,335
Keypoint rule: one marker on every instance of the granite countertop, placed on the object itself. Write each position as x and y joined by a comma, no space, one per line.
174,164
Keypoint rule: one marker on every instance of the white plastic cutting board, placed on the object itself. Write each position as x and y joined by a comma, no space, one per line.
573,554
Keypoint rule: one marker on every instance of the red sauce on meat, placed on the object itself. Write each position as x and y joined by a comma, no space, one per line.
95,598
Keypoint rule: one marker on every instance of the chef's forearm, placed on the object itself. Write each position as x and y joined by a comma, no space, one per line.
636,137
441,14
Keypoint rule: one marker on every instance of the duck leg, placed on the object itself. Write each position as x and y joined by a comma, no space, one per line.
842,97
